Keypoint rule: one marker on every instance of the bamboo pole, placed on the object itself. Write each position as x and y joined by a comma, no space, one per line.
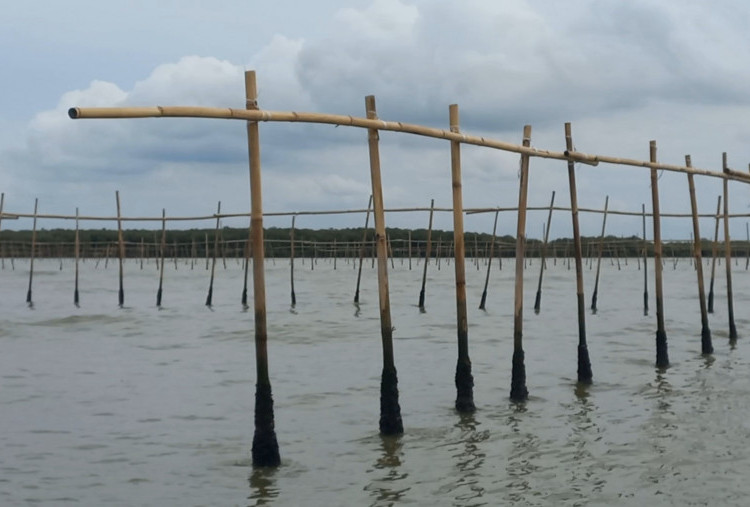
390,252
489,263
210,296
390,411
463,378
247,268
362,251
728,254
706,346
162,248
584,372
409,250
599,257
518,391
291,261
714,255
747,233
662,357
428,245
645,263
334,254
2,246
31,255
76,298
265,449
538,300
120,251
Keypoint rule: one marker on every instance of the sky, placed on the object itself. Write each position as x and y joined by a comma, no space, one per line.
623,73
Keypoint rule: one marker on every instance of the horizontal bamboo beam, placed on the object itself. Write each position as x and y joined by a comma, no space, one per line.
353,121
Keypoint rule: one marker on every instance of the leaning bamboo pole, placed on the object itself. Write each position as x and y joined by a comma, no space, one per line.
714,254
362,251
291,261
120,251
489,263
426,257
162,250
390,411
706,346
31,255
728,254
76,298
645,263
538,300
662,357
210,296
599,257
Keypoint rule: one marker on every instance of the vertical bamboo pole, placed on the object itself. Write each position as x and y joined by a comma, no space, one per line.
518,391
143,249
390,252
76,299
390,411
120,250
362,251
645,263
162,248
207,251
334,254
463,378
714,254
706,346
175,252
489,264
247,267
31,254
728,253
585,374
291,261
409,250
599,257
662,357
476,250
438,250
428,245
265,446
210,296
538,301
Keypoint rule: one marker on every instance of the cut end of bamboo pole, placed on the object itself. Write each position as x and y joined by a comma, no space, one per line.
390,410
265,450
74,113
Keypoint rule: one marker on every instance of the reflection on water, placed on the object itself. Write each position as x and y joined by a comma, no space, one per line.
387,488
263,486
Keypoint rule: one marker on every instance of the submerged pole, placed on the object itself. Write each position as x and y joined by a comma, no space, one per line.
120,250
210,297
362,251
291,261
464,379
265,450
426,256
162,247
538,300
706,346
714,254
728,254
489,263
518,391
599,257
77,246
662,357
585,374
390,411
31,254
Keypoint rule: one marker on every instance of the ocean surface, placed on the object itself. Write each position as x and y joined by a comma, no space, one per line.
101,405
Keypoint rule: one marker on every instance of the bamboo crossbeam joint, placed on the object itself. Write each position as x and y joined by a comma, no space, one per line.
581,157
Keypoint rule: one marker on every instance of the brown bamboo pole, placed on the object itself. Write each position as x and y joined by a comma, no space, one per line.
584,372
489,263
362,251
538,300
390,411
291,261
728,254
706,346
645,263
518,391
31,255
714,255
428,245
599,257
210,296
162,248
265,450
120,250
463,378
76,298
662,357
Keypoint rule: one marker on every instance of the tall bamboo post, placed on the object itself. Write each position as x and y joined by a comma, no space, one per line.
362,251
599,257
585,374
518,391
464,379
728,253
31,254
662,357
538,300
428,245
706,346
210,296
291,261
645,264
162,247
390,411
120,250
489,263
77,246
714,254
265,446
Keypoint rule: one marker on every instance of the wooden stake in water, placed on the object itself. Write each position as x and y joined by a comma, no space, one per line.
518,391
362,251
662,357
489,263
2,249
247,268
645,264
291,261
31,255
409,250
428,246
390,411
714,255
162,248
463,378
265,446
76,299
728,253
120,250
706,346
599,257
209,298
538,300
